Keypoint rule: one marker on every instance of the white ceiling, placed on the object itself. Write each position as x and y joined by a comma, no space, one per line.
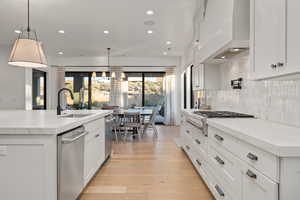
85,20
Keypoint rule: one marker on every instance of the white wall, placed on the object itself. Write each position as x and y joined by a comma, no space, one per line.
12,83
272,100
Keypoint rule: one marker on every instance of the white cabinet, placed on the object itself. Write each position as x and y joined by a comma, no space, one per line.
293,35
94,148
269,31
274,38
198,77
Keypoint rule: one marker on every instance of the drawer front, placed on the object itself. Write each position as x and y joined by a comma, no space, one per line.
228,167
95,125
200,163
216,187
224,140
264,162
95,128
258,186
195,130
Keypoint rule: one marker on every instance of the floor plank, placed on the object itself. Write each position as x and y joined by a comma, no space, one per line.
151,169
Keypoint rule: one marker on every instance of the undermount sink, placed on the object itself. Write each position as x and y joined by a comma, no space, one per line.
75,115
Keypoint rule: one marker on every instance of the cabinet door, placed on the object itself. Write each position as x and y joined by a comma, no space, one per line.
293,33
257,186
268,29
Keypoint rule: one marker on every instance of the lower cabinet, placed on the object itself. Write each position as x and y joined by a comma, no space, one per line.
226,173
94,155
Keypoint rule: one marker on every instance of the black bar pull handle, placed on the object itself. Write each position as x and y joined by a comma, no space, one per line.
219,160
220,191
197,141
252,157
251,174
219,138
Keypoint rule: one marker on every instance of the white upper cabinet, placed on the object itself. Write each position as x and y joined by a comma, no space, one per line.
293,36
274,38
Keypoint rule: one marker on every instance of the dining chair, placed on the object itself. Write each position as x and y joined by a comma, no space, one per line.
151,122
132,123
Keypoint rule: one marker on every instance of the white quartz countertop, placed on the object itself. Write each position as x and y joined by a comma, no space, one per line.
44,122
275,138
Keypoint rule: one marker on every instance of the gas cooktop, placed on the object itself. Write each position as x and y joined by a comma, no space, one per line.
222,114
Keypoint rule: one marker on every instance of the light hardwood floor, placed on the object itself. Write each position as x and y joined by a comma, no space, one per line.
148,170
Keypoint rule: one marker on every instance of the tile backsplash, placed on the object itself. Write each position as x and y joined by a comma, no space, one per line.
273,100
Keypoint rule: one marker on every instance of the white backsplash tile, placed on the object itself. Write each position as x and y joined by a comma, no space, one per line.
277,101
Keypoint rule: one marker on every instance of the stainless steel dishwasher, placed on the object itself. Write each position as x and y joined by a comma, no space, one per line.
70,152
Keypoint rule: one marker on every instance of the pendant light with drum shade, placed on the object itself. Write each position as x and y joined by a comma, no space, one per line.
27,50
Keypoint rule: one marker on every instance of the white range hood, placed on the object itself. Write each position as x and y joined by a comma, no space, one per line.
224,30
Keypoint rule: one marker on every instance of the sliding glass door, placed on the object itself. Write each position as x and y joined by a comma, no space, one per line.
91,91
38,90
145,89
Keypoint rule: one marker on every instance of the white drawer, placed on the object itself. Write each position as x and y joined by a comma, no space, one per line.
216,187
257,186
199,163
264,162
223,139
95,125
228,167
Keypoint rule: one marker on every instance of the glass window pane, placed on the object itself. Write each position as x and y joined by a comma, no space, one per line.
78,84
135,89
100,91
38,90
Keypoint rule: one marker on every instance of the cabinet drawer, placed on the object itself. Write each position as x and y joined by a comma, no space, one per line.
200,163
228,167
95,125
217,188
257,186
264,162
223,139
200,144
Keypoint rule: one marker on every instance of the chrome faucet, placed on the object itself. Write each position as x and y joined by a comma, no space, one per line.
59,109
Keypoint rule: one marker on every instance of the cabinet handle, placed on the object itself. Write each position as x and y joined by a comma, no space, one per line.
219,160
280,64
197,141
273,66
199,163
252,157
187,147
97,135
219,190
251,174
221,139
187,131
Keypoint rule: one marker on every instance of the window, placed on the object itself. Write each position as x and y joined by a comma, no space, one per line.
39,90
90,92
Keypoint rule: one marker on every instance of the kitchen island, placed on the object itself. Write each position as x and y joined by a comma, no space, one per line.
29,150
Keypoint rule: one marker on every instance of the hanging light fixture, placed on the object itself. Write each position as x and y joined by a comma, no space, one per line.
27,50
94,75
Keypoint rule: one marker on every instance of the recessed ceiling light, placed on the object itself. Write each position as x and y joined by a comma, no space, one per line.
150,12
18,31
106,32
60,53
223,57
149,31
61,31
165,53
168,42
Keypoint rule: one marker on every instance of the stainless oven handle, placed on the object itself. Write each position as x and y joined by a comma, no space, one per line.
202,129
70,140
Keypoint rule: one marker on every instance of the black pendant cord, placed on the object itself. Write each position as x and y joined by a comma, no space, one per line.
28,18
108,55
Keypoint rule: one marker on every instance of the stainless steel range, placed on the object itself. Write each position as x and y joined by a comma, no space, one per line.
202,125
222,114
